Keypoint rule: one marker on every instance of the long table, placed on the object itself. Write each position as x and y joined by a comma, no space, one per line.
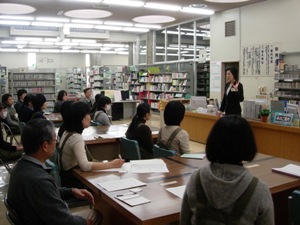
164,206
271,139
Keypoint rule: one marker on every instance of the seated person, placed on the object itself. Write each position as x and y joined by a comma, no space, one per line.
39,105
103,106
73,151
12,117
32,192
139,131
64,111
95,105
216,193
26,110
21,95
171,136
88,99
61,97
8,151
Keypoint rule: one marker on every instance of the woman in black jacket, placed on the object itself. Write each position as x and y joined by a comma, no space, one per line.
233,94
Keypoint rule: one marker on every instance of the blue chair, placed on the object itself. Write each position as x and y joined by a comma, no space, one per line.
161,152
94,123
130,149
294,208
11,214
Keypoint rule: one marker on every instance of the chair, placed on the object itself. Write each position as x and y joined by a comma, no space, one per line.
6,165
11,214
294,208
130,149
9,133
93,123
161,152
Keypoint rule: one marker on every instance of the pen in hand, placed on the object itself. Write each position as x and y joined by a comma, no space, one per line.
128,193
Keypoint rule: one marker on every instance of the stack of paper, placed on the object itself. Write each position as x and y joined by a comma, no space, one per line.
178,191
117,185
194,156
145,166
133,200
291,169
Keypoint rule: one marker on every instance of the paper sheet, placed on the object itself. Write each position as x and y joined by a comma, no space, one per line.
194,156
145,166
133,200
178,191
122,184
291,169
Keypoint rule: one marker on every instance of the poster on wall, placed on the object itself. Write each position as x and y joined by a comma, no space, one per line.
260,60
215,77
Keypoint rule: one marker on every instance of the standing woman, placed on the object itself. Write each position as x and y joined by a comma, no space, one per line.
233,95
103,106
61,97
139,131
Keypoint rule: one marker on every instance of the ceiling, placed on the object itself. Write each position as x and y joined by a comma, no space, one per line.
60,8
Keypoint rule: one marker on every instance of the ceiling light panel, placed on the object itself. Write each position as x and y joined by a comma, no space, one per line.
28,39
29,50
90,45
102,27
76,25
66,44
14,22
124,3
114,45
50,50
197,11
84,40
69,51
87,21
8,49
115,23
135,29
15,42
15,9
162,6
17,17
153,26
46,24
51,19
40,43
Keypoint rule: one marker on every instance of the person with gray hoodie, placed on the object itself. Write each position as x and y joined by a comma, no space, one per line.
224,192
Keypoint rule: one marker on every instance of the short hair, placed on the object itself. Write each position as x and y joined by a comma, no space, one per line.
234,72
28,98
97,96
231,141
102,101
38,101
35,133
87,89
174,113
77,112
5,97
61,94
20,93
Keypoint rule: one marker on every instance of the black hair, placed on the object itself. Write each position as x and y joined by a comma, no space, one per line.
4,99
35,133
102,101
64,111
20,93
97,96
141,111
87,89
1,106
61,94
38,101
28,99
76,113
174,113
234,72
231,141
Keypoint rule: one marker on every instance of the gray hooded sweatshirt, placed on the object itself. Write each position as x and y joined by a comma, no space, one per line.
222,185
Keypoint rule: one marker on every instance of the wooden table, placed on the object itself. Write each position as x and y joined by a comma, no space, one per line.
271,139
54,117
164,206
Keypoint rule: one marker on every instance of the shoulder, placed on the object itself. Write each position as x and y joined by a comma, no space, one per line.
183,133
143,127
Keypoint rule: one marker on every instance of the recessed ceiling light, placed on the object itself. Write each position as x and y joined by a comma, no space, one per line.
15,9
88,13
154,19
226,1
198,6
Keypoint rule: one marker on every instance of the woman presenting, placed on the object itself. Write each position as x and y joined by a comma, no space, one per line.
233,95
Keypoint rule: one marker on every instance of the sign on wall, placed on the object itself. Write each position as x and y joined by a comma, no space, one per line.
260,60
215,77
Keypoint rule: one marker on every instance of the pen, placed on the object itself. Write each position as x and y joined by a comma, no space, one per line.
96,138
128,193
120,157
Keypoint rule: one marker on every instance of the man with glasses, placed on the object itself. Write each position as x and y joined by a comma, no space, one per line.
88,99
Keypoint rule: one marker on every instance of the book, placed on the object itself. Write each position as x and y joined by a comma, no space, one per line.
121,184
133,200
194,156
290,169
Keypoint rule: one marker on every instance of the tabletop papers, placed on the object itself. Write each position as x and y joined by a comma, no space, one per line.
178,191
145,166
291,169
194,156
133,200
116,185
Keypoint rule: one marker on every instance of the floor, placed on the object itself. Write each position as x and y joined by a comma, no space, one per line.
4,176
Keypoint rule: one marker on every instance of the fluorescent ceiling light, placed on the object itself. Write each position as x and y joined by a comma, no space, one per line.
173,32
69,51
28,39
29,50
40,43
50,50
66,44
135,29
16,17
199,35
83,40
108,52
90,44
120,49
15,42
100,27
148,26
51,39
89,51
162,6
197,11
105,49
8,49
76,25
172,48
114,45
12,22
123,53
226,1
87,21
186,29
160,54
46,24
52,19
115,23
124,3
159,47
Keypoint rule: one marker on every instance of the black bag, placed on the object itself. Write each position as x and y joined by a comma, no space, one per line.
169,141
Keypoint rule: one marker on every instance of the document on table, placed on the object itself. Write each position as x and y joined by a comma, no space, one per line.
145,166
194,156
178,191
116,185
133,200
291,169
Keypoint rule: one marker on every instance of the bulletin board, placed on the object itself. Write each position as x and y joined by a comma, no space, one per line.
260,60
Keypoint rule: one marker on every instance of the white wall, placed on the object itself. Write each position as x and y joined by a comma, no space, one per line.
107,60
261,23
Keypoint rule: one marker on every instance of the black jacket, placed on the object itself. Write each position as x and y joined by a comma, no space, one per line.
231,101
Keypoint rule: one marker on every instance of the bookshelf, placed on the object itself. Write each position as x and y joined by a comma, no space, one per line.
34,81
75,80
134,84
3,80
202,79
97,80
287,77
